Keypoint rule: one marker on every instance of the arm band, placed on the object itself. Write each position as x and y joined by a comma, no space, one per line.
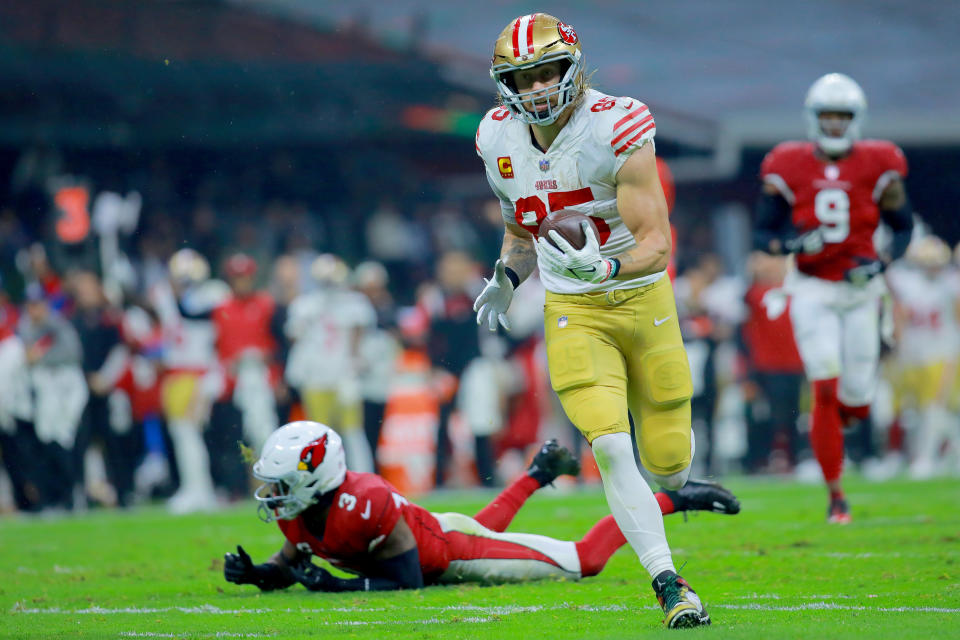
512,276
399,572
772,221
900,221
614,268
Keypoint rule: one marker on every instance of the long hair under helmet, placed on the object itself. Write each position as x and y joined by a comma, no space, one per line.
529,41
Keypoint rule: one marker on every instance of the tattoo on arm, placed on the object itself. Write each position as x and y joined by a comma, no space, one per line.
518,254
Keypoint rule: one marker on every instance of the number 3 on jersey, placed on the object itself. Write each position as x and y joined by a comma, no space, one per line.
832,208
529,212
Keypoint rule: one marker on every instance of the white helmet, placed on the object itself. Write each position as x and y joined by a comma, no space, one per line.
835,92
300,462
188,267
329,270
929,252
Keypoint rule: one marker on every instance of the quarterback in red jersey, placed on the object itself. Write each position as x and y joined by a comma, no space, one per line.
360,523
822,202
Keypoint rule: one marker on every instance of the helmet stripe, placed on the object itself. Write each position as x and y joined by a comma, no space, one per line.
523,35
531,17
516,37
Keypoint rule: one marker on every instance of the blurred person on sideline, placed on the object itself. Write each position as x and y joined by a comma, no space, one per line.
192,377
774,371
379,348
285,286
54,356
18,443
612,333
326,328
360,523
822,201
710,307
927,311
454,344
246,350
106,417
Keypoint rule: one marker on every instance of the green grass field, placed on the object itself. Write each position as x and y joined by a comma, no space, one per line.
774,571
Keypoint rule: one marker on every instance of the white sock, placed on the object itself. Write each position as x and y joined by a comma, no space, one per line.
632,503
193,460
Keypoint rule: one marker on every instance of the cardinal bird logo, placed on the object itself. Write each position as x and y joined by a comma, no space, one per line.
313,454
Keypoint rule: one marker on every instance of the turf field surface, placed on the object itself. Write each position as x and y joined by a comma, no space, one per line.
777,570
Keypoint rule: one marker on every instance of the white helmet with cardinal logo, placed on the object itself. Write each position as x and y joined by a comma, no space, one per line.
300,462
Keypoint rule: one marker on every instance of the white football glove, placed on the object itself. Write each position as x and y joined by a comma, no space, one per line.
492,303
584,264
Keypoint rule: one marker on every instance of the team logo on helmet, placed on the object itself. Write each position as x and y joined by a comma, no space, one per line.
313,454
567,34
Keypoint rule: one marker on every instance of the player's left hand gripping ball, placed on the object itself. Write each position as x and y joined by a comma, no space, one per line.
584,264
492,303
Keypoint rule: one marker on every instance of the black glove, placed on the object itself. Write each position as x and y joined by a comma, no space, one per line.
864,272
315,578
239,569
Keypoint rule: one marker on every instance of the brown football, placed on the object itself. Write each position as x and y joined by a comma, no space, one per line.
567,222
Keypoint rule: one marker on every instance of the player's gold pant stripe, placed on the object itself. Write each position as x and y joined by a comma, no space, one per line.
619,351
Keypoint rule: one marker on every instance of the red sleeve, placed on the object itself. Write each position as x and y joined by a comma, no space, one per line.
777,168
887,163
890,158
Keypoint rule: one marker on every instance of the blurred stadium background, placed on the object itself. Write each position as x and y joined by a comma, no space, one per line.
287,130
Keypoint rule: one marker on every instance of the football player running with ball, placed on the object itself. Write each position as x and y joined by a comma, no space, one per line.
358,522
612,336
822,201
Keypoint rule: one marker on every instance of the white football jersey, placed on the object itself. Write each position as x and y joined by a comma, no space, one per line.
577,172
322,325
929,332
189,341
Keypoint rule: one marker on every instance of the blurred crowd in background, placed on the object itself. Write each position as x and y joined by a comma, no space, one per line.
216,217
140,349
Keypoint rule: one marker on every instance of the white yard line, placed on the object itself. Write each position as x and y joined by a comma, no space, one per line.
482,612
218,634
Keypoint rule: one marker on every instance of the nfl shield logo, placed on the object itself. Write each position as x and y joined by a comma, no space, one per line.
562,322
544,165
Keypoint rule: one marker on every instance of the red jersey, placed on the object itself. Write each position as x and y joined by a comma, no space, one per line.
364,511
244,323
838,196
770,343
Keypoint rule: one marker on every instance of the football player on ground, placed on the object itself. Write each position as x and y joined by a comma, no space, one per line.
822,201
360,523
612,335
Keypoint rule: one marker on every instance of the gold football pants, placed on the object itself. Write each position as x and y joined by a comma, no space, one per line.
326,407
615,351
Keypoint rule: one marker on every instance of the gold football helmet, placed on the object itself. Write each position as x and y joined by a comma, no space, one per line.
529,41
